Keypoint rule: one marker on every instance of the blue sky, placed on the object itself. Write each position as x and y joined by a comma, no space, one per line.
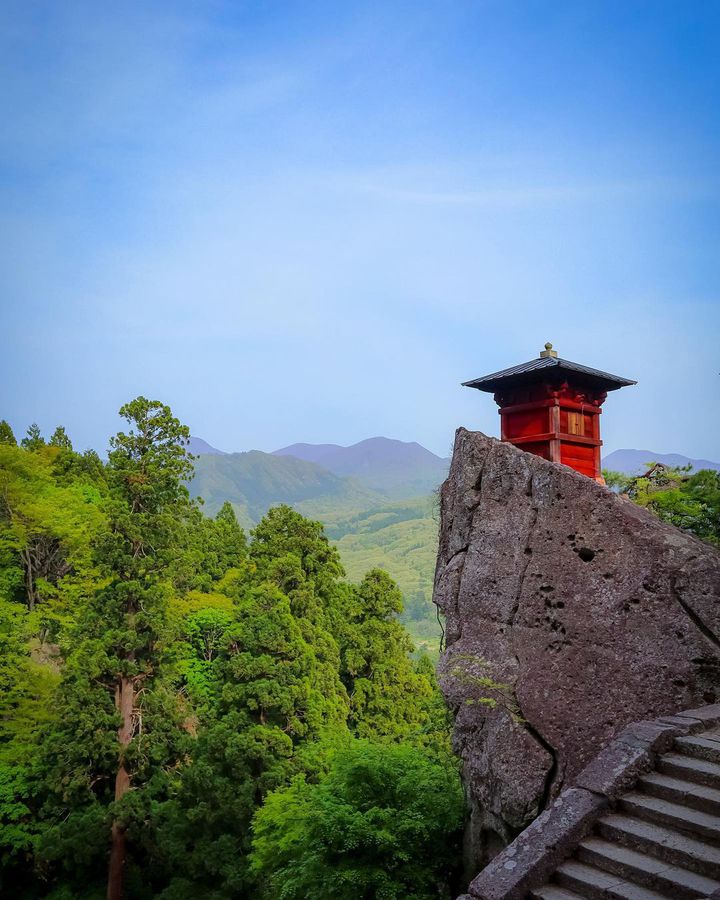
312,221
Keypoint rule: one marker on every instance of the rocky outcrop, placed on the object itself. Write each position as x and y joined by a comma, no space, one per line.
570,612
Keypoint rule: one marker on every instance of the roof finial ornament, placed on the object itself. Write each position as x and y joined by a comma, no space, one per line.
548,352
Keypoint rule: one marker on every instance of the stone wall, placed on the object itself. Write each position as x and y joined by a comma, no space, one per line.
590,612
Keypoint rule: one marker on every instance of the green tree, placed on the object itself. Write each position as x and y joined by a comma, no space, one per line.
6,433
160,677
294,554
284,538
120,723
617,481
147,469
389,698
384,823
233,543
33,439
60,439
690,501
28,680
45,526
211,547
274,690
266,687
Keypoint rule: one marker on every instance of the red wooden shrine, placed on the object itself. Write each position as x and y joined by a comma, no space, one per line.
551,407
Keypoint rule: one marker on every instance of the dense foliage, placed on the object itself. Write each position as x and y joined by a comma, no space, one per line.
349,835
371,527
170,691
688,501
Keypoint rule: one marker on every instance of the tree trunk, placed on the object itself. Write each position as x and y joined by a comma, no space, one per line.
117,862
124,702
29,579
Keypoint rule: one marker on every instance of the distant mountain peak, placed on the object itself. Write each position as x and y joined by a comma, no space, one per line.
308,452
314,451
635,462
404,468
199,447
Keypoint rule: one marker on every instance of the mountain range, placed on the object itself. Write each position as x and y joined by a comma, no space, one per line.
398,468
369,472
635,462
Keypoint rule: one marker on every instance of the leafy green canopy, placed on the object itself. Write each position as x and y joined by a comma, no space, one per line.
381,824
161,676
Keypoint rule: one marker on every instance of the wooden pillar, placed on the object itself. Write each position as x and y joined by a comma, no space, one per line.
554,411
598,457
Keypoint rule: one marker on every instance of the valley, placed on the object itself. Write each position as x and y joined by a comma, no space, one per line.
376,500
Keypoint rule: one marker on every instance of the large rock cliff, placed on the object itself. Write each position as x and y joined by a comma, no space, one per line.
569,613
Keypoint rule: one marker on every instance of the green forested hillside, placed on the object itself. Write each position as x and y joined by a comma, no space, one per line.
400,538
187,711
369,528
254,481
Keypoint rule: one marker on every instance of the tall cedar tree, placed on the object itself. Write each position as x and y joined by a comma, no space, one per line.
147,468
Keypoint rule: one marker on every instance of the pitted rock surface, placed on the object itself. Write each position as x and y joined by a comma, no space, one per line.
590,611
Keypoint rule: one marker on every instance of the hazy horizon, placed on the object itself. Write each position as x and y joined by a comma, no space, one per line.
605,450
312,222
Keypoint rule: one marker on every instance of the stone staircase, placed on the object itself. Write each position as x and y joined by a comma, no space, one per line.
661,839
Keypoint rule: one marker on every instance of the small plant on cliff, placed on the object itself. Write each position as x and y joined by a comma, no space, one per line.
486,691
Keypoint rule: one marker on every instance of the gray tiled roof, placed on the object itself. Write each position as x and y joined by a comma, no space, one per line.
517,373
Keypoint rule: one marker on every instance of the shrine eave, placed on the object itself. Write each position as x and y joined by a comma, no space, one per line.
551,367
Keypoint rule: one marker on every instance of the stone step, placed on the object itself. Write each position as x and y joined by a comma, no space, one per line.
647,871
595,884
691,769
663,843
685,793
682,818
553,892
699,747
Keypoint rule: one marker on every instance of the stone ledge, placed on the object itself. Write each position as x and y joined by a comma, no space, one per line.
535,854
653,736
687,723
707,715
632,753
587,645
615,769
